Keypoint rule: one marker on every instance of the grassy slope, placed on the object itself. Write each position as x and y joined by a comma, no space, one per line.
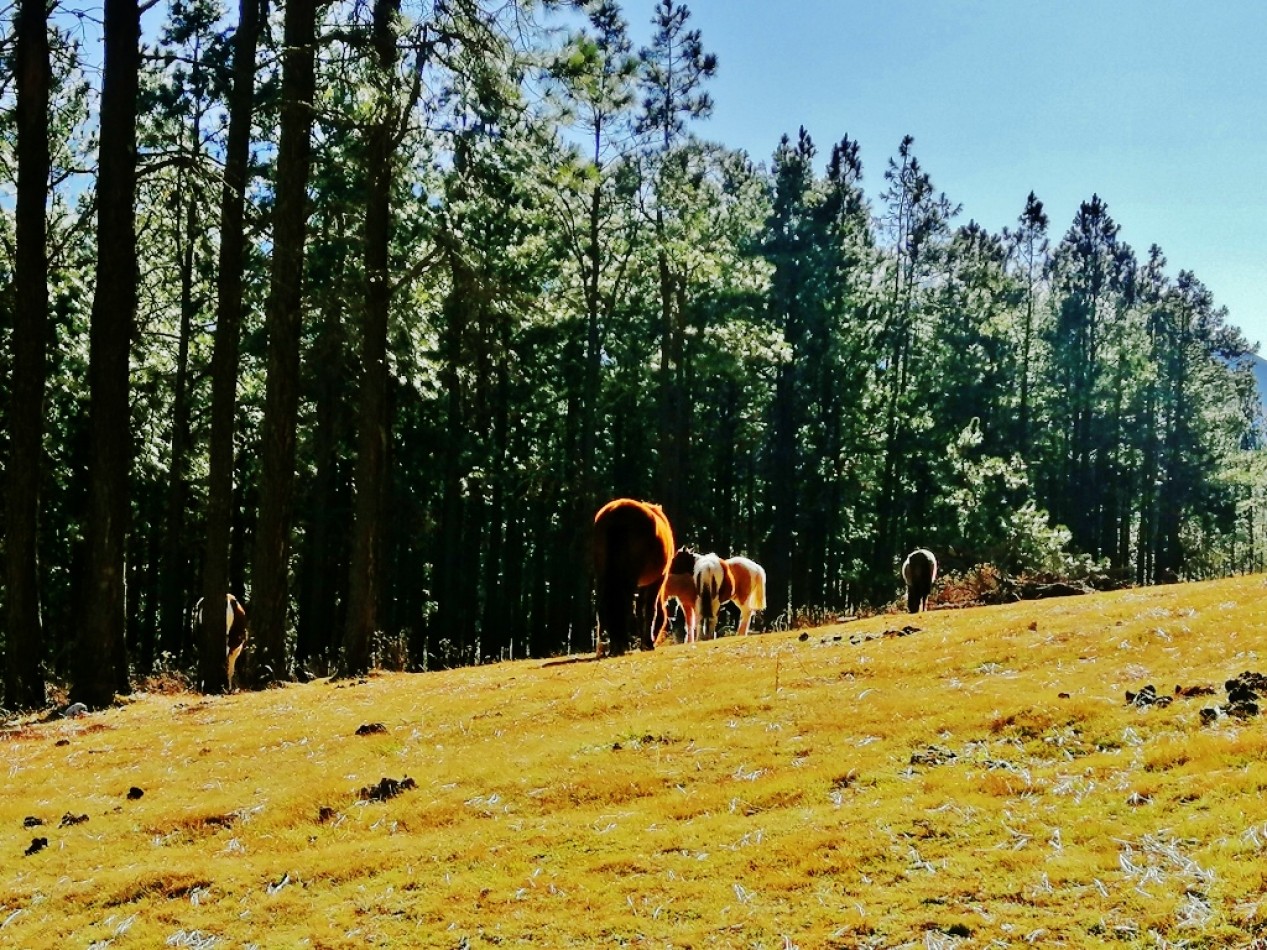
754,792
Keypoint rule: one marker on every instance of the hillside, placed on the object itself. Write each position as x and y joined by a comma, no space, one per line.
977,779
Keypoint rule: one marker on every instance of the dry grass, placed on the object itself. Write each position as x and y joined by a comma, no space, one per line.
847,789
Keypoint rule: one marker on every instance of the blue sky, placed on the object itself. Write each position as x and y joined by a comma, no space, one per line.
1160,107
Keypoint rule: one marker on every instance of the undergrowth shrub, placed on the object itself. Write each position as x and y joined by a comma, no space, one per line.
982,584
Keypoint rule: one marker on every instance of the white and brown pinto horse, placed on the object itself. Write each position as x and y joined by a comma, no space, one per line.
736,580
633,545
748,594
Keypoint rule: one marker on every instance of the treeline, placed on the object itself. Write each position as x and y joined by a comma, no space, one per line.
360,312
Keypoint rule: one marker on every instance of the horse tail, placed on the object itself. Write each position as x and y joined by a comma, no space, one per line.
710,574
758,588
919,570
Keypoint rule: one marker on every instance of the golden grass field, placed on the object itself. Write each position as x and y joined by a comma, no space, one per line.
780,790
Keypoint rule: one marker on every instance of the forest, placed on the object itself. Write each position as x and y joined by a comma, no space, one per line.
360,310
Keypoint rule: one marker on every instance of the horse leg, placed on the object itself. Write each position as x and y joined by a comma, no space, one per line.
660,622
704,618
614,609
688,619
745,616
663,635
648,616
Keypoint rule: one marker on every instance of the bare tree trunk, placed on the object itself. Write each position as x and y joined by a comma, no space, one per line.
101,662
269,593
324,557
213,675
364,588
672,463
24,640
174,574
450,622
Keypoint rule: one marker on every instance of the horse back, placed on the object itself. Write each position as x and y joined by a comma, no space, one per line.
920,568
727,592
748,578
632,542
712,578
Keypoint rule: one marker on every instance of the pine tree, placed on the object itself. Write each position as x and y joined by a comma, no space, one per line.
101,661
917,219
212,672
366,582
24,644
675,69
839,429
786,249
1093,285
173,130
596,72
270,596
1029,248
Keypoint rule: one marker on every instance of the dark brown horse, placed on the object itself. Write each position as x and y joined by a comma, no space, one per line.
633,545
919,570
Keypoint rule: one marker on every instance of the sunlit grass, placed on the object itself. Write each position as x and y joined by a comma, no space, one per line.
980,782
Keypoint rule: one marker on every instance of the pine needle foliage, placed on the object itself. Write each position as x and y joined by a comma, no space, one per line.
978,781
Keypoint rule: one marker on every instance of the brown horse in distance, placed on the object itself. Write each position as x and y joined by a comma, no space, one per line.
633,547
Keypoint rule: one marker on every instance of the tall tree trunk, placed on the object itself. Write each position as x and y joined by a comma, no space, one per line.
23,679
324,553
496,620
213,675
670,468
101,667
1027,342
269,592
1148,500
173,577
448,623
364,588
889,504
784,485
586,500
